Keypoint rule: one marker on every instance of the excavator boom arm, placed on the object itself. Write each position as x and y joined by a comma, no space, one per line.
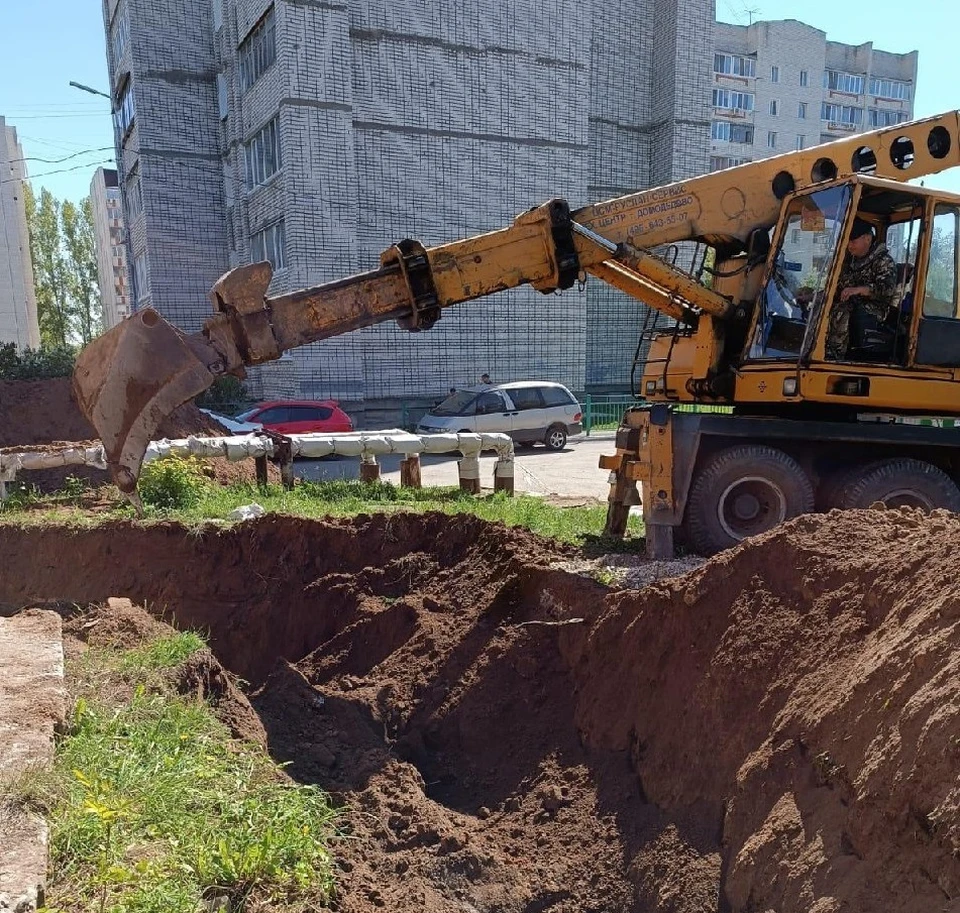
132,377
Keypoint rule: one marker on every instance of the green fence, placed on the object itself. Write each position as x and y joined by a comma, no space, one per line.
603,413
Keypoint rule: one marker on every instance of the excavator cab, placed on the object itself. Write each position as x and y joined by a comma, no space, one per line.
915,330
807,245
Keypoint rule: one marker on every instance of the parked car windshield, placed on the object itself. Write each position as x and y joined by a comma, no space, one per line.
455,403
244,416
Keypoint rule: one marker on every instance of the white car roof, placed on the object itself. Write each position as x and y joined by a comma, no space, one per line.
513,385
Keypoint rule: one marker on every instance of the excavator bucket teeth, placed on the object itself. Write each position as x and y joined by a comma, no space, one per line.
129,380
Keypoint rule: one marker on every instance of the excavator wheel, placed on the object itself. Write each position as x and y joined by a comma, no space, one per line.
899,482
831,487
744,491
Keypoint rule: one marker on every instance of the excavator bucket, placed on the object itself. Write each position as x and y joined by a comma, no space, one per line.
129,380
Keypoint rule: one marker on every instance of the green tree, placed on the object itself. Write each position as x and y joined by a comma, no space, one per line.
64,256
82,278
49,269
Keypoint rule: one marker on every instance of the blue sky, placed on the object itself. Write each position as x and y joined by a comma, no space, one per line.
55,41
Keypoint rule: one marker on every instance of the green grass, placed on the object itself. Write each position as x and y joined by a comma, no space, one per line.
347,499
152,806
575,525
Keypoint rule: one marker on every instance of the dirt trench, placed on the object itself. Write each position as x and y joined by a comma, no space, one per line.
778,730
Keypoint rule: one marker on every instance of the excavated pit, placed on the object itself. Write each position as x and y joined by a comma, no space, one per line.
778,730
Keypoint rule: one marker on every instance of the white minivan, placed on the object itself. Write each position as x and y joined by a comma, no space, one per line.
530,411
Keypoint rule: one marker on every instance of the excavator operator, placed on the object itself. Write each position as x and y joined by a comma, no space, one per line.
866,290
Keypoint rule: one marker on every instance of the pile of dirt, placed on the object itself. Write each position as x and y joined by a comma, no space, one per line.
776,730
35,414
43,412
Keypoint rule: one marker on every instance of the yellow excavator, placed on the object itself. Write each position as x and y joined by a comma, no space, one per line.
819,399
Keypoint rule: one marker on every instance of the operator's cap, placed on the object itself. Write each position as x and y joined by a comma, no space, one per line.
860,228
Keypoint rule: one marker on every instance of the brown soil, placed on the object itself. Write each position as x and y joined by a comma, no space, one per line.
120,625
39,415
43,411
778,730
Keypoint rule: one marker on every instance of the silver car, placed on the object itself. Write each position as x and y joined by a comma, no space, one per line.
530,411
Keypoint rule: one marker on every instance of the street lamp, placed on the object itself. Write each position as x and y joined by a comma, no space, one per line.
83,88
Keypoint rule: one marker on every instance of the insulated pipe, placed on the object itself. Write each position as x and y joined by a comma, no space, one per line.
241,447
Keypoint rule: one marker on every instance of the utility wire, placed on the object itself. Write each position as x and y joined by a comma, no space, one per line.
65,158
44,174
53,116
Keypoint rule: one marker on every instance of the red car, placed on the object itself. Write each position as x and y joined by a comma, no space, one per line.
297,416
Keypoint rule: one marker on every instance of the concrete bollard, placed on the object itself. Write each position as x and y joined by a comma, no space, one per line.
503,475
369,468
410,472
469,469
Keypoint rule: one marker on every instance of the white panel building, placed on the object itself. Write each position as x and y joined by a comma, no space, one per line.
316,134
107,206
18,303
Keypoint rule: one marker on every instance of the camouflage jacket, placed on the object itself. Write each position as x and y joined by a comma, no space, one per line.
876,270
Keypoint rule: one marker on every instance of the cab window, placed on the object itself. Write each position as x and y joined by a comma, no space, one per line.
938,340
792,297
940,289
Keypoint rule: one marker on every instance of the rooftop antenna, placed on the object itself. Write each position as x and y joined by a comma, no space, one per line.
751,11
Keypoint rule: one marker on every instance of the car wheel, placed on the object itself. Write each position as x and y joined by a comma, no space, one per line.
900,482
556,437
744,491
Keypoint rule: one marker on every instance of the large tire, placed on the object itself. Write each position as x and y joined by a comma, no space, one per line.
555,438
831,487
744,491
900,482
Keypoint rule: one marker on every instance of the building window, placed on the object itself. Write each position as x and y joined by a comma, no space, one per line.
802,110
804,78
126,110
134,195
223,105
269,244
889,88
801,142
836,81
774,107
258,51
121,34
879,117
732,101
772,139
841,114
774,74
262,155
719,162
724,131
217,14
141,289
734,65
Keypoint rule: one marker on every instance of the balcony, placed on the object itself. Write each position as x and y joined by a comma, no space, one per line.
842,127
